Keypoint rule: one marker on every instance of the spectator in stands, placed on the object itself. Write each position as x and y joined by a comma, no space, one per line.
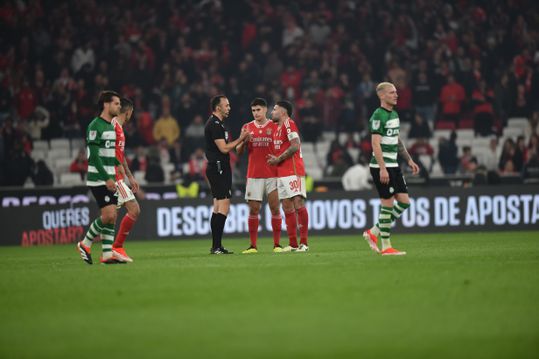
419,128
140,162
336,151
311,126
452,97
356,178
166,126
521,106
338,166
468,162
483,109
38,121
43,175
175,155
490,159
80,164
197,166
507,163
424,98
194,134
154,170
18,166
145,127
521,154
422,148
447,154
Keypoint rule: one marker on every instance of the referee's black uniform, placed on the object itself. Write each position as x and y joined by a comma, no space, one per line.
219,175
218,171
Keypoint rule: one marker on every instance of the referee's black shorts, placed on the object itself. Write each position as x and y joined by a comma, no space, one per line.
396,184
219,175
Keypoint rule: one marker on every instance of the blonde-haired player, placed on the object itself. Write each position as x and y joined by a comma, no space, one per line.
384,126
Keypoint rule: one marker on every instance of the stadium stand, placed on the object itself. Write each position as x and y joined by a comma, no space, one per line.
325,56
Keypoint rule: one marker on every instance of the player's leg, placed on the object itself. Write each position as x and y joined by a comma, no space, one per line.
103,225
276,219
386,196
254,193
284,190
384,220
253,223
291,224
403,202
303,221
127,223
108,217
401,195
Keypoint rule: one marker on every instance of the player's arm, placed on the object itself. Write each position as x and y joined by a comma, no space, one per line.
130,177
294,147
98,164
227,147
376,141
406,156
240,148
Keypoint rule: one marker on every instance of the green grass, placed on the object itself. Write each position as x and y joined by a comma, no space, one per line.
454,295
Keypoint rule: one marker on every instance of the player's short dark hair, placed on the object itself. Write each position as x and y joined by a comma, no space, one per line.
259,101
125,104
215,101
287,105
105,97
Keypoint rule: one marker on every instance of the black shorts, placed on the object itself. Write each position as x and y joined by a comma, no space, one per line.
103,196
219,175
396,184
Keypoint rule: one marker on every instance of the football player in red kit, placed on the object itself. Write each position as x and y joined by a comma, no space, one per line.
126,197
290,175
261,177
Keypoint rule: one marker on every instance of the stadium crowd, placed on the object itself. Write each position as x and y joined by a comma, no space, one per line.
465,65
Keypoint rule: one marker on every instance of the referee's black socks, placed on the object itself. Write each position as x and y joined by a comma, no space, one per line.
217,223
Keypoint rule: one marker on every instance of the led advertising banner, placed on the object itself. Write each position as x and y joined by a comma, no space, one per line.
488,208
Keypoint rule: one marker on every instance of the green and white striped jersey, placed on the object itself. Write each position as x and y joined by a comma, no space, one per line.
101,133
386,123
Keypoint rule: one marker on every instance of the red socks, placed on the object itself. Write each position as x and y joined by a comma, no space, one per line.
252,222
292,228
276,222
303,219
125,227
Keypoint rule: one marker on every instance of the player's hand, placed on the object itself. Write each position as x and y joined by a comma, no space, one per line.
134,184
413,166
111,185
244,135
272,160
384,176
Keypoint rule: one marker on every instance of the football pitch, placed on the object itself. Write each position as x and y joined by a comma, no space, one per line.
465,295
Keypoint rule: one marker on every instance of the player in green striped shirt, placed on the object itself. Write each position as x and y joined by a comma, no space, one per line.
384,126
101,141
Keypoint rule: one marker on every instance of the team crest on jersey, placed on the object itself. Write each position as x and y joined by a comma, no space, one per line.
92,135
376,124
268,132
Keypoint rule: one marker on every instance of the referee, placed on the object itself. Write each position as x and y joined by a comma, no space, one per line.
218,171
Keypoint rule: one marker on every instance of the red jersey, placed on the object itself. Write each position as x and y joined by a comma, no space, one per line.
281,142
259,147
120,147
